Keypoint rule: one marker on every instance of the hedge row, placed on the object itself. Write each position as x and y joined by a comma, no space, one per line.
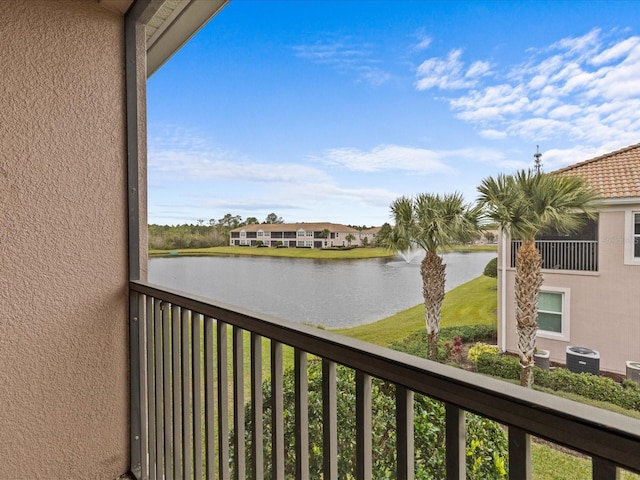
594,387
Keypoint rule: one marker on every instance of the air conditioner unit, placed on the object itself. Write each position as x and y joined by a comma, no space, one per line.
633,371
583,360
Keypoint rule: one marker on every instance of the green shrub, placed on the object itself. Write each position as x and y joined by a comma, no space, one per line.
594,387
491,270
481,348
503,366
486,448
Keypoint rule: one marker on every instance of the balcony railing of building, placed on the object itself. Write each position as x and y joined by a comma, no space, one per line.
578,255
188,393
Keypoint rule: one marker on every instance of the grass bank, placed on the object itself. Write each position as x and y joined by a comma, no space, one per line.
472,303
316,253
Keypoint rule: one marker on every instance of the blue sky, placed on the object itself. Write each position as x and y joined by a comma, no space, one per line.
329,110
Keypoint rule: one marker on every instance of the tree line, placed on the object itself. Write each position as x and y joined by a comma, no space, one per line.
214,233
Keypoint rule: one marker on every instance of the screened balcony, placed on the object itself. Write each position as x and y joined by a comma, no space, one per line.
576,252
189,358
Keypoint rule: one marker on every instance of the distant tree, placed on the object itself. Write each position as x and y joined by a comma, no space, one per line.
349,238
230,221
385,231
365,242
489,236
251,221
325,234
200,221
273,218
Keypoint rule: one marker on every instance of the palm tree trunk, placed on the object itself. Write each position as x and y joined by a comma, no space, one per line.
433,276
527,286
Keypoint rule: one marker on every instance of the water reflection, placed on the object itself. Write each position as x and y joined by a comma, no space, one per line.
332,293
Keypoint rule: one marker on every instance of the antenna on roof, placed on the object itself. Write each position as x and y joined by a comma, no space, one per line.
537,162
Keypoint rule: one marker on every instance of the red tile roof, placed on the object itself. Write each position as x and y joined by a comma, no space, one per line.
614,175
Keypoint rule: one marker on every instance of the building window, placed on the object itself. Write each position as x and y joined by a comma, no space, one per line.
553,313
267,234
632,238
308,243
243,234
309,234
300,243
260,234
301,233
636,234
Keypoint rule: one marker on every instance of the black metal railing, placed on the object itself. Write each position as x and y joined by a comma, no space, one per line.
578,255
189,391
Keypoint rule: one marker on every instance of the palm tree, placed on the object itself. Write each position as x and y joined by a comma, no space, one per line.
431,222
349,238
325,234
524,205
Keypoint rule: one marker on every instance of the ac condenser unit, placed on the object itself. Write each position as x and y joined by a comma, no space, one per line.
633,371
583,360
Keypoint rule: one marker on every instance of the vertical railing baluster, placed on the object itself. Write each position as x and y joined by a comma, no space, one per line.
602,469
187,456
160,460
363,426
404,436
455,442
223,408
151,388
519,454
177,397
196,351
301,415
329,421
166,382
257,452
277,412
238,403
137,383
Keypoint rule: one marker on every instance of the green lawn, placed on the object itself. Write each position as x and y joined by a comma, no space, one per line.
315,253
473,303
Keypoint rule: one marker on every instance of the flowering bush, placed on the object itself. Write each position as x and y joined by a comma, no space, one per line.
480,348
454,349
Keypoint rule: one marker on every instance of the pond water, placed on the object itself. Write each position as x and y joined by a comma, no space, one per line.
331,293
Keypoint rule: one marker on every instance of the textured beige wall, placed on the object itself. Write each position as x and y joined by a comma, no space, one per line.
605,306
63,242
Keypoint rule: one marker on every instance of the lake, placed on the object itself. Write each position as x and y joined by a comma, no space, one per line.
331,293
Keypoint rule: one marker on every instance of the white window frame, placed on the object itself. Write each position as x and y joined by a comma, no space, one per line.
260,233
243,233
267,234
630,238
565,333
300,233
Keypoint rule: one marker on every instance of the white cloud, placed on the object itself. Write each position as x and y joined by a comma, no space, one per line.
578,89
423,42
386,157
346,57
493,134
478,69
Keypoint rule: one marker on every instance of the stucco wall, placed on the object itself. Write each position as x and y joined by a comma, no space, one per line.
63,242
604,306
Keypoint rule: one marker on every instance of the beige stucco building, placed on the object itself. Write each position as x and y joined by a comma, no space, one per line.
73,224
589,296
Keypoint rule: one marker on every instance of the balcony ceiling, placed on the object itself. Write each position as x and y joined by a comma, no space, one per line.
172,24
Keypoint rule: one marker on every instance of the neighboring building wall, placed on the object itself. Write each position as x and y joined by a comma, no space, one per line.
604,306
63,237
